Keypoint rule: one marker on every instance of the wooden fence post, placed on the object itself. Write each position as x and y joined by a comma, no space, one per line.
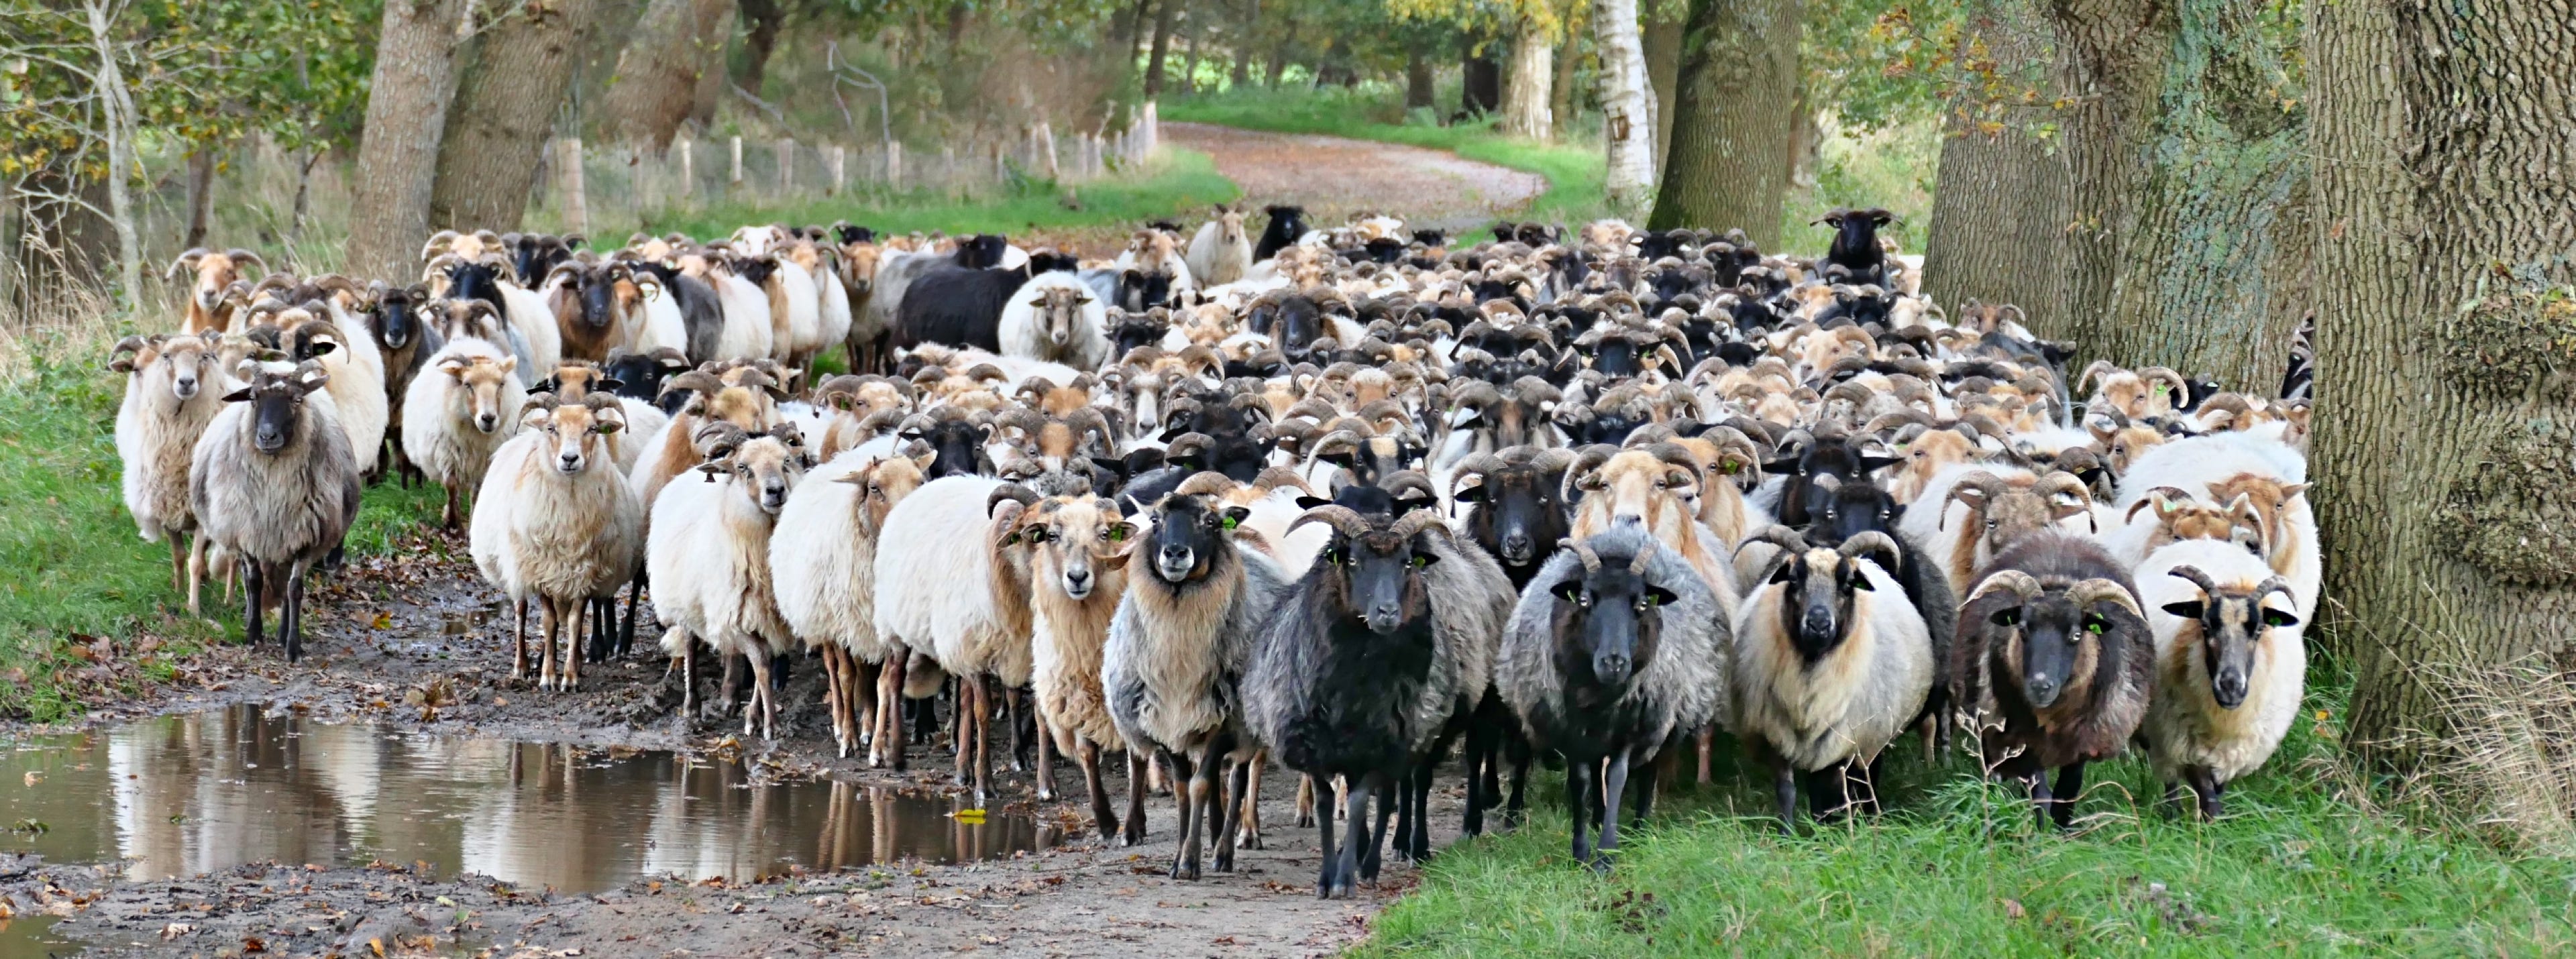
737,161
786,166
894,165
840,169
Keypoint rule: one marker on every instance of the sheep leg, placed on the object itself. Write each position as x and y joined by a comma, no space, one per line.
447,515
1046,763
290,619
1334,874
1250,837
519,645
1784,791
626,629
196,575
1645,804
2039,797
688,678
2206,787
1229,787
570,679
1012,713
178,561
1185,855
1088,754
753,716
983,740
1707,743
2070,784
1133,833
1382,787
832,697
725,700
1616,785
252,585
546,625
888,749
1518,750
1474,763
863,708
1306,801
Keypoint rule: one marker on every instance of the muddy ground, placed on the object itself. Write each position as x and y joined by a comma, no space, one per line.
382,632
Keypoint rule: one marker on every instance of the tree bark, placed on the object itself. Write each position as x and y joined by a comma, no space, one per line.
201,196
762,19
1731,134
2439,157
1663,44
415,78
2111,59
660,74
1560,88
1481,74
1999,205
1525,111
1190,64
505,106
1628,132
1279,52
1164,13
1243,44
1421,90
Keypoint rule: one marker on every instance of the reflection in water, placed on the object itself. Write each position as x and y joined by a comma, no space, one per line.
180,795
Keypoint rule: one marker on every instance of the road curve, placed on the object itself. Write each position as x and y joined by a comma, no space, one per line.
1335,177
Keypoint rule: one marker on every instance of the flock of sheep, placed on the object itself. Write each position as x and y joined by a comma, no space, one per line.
1340,498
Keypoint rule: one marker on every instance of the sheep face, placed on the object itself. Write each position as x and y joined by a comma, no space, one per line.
2271,499
1068,537
276,394
1650,488
480,379
177,361
2000,512
1516,510
1610,620
766,468
578,432
1060,313
216,272
1189,536
466,318
2234,619
1925,456
1855,507
2179,517
957,445
2049,639
396,314
1818,589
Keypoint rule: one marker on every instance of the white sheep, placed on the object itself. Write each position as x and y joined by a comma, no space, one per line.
1830,663
273,481
572,530
954,592
1220,251
822,563
2230,665
172,391
1055,318
748,331
2220,466
708,557
461,408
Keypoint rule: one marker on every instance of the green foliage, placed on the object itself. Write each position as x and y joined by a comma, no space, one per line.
2302,864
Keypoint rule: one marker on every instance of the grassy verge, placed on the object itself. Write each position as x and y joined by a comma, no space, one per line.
1573,170
2303,864
1180,180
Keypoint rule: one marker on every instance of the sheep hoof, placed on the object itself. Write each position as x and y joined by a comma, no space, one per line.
1133,837
1188,872
1306,820
1248,839
1343,888
1224,859
1600,863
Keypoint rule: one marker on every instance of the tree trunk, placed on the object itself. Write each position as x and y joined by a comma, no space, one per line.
1190,65
116,114
1628,117
1481,90
1663,42
415,78
1279,52
201,196
656,87
1998,230
761,20
1525,92
1243,44
1806,140
2111,58
1421,90
1560,88
1164,13
1730,155
505,106
2443,421
2214,274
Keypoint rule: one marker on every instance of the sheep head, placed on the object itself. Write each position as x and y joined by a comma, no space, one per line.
1191,536
1372,567
2234,618
482,379
1654,488
2051,636
1819,588
2272,500
765,466
884,483
215,273
1067,537
2180,517
578,431
1611,617
276,393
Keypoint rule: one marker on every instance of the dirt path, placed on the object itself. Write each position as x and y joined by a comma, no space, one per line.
384,629
1334,178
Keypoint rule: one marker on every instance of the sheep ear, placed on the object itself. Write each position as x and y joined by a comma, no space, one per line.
1310,502
1472,494
509,363
607,426
2187,610
1117,560
1235,515
2279,618
2291,491
1780,466
122,364
922,461
238,396
1568,590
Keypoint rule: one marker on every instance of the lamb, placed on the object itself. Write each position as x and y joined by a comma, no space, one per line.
1361,667
1220,251
573,528
958,595
1180,643
1830,664
167,406
273,481
1075,592
822,563
1055,318
708,553
457,413
2230,666
1615,649
2053,632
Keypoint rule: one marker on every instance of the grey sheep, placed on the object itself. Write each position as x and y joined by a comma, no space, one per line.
273,480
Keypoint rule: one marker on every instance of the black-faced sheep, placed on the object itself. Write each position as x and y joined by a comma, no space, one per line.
1831,663
273,480
2230,666
2053,634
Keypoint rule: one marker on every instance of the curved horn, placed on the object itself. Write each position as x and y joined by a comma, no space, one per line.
1274,477
1009,491
1987,485
1423,520
2193,575
1585,462
1341,518
2020,583
1591,560
2166,494
1776,535
2091,591
1880,545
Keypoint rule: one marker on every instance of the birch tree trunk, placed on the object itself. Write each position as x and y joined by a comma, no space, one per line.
1731,123
116,113
505,106
1525,111
415,79
2439,156
1628,181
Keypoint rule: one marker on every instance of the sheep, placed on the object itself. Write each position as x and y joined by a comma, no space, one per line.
699,309
597,307
406,337
822,563
1179,645
209,309
1360,668
1830,664
1517,512
961,306
170,397
748,332
1615,648
1998,507
1075,592
2053,633
2270,473
743,396
957,594
1859,507
2176,517
356,376
577,380
1055,318
457,413
574,529
2230,666
708,554
1220,251
273,481
1286,226
1651,487
795,309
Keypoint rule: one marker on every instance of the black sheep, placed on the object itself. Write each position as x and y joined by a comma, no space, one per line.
1287,223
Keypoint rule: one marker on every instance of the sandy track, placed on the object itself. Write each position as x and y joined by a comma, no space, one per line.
1333,177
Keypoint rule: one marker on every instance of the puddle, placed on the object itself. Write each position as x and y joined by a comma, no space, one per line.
181,795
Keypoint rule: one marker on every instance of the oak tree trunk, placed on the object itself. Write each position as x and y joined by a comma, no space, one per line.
201,195
1243,43
519,72
1627,108
1560,88
761,20
1663,41
1420,88
415,78
1731,126
1525,90
660,75
2439,155
1999,204
2111,59
1481,92
1165,13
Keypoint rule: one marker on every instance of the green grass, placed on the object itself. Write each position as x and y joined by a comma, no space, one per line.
1956,868
1181,180
1572,170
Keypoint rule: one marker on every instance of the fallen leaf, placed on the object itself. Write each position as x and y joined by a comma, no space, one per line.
382,621
377,946
2012,907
